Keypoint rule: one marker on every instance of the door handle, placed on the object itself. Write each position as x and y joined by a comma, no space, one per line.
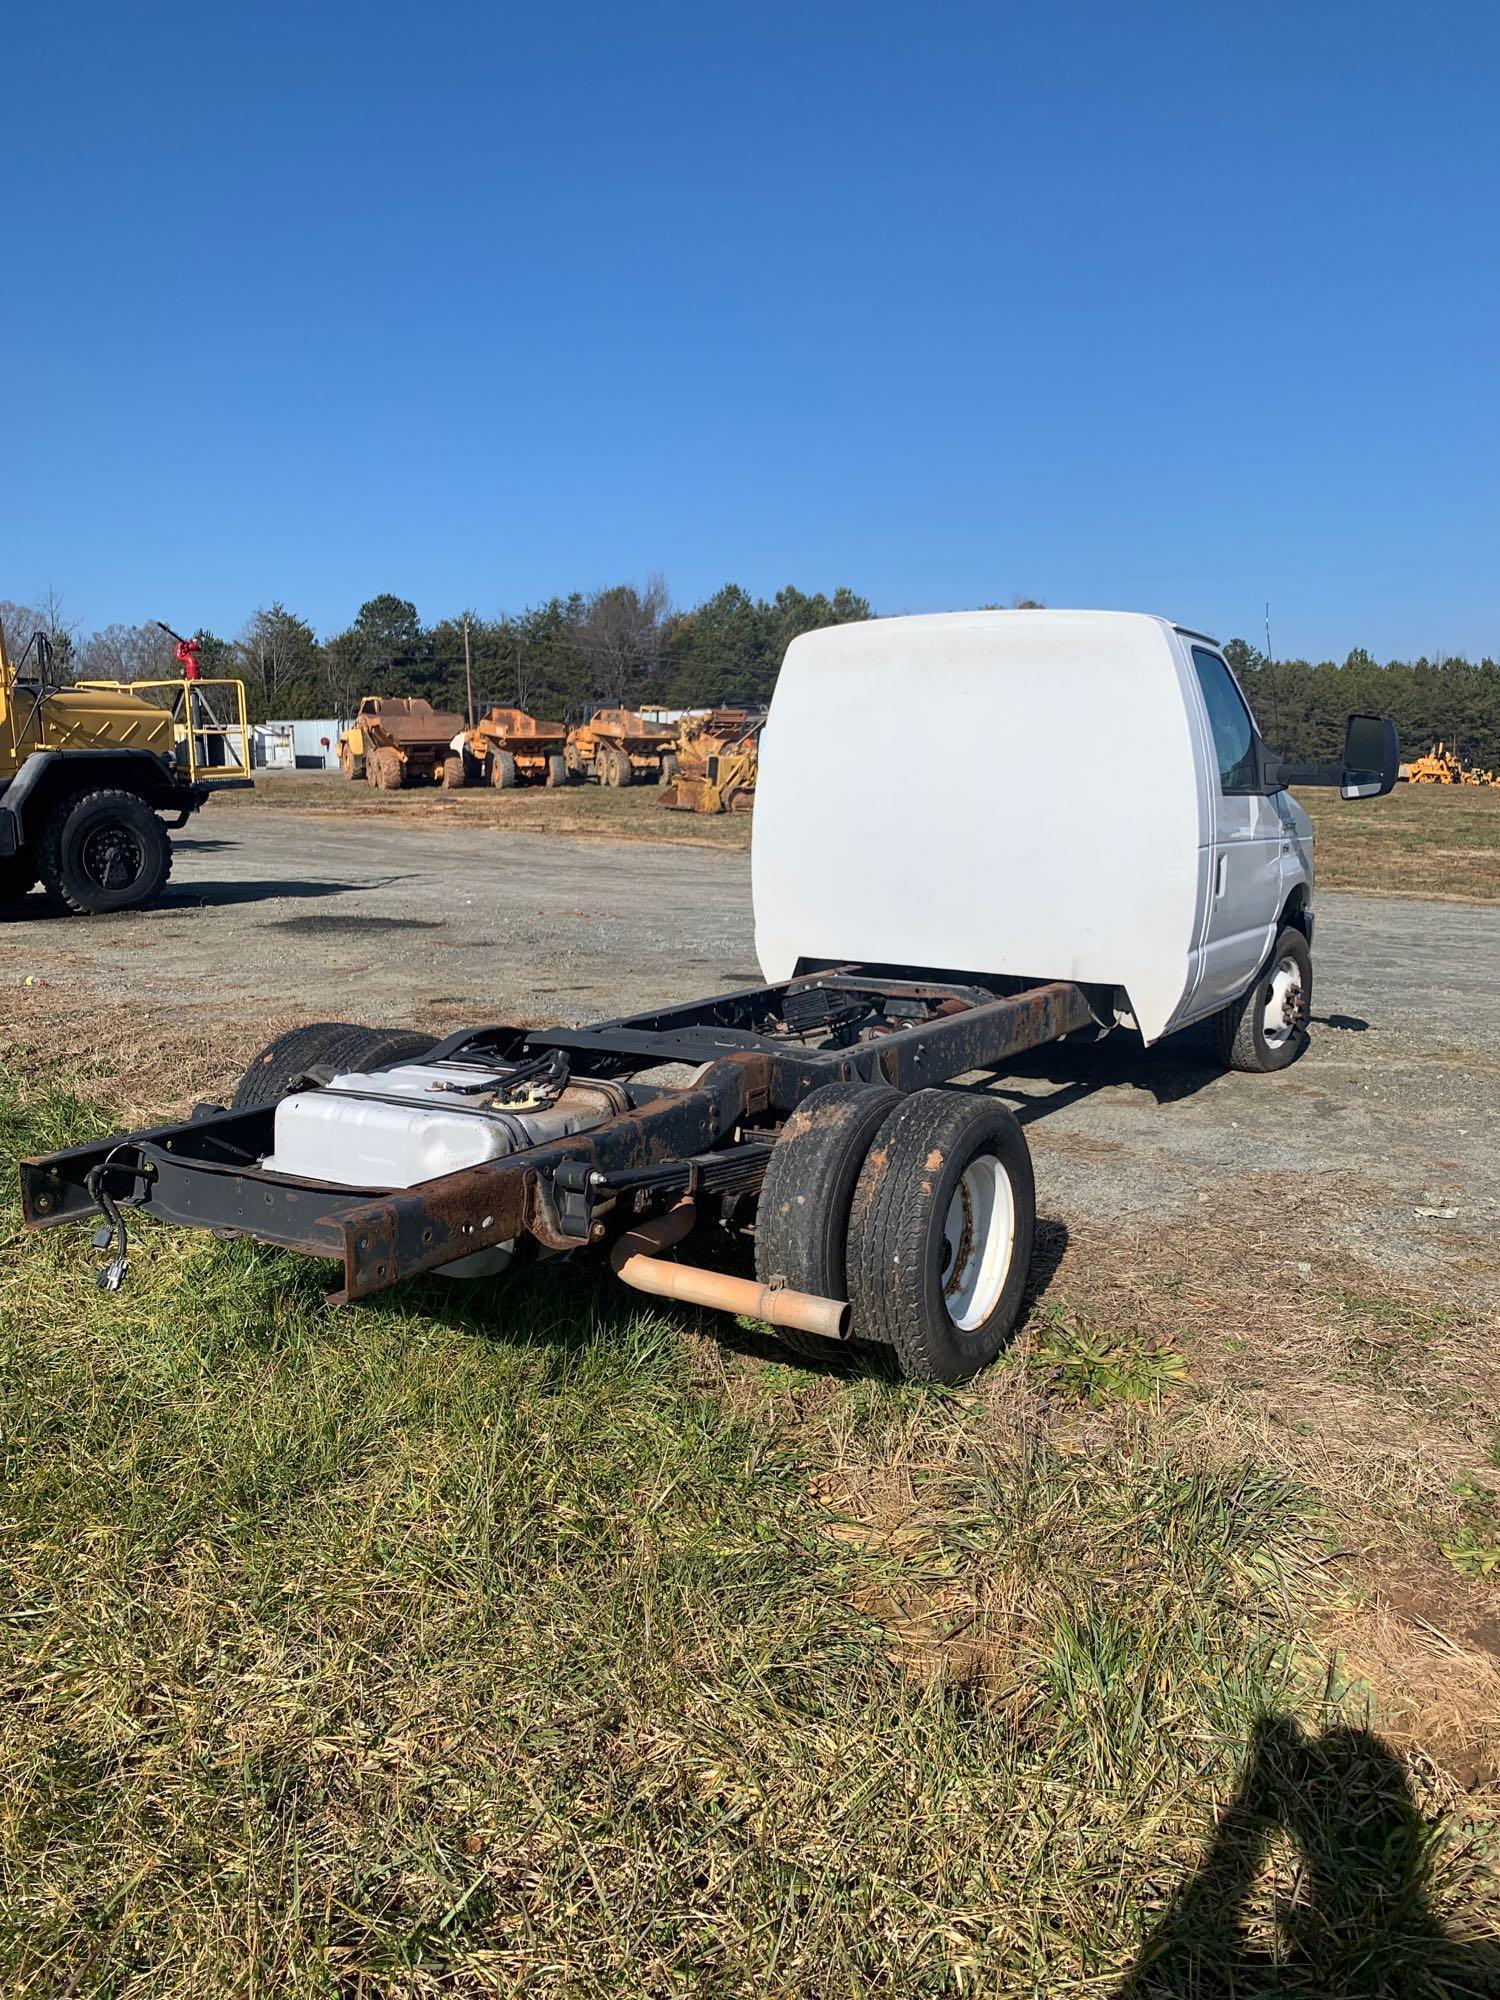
1221,875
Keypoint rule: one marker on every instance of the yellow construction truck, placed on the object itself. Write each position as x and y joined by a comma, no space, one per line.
91,778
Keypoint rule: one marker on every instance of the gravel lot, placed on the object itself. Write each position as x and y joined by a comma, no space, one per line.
1393,1112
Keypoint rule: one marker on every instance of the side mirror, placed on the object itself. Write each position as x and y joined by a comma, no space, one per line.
1371,762
1372,757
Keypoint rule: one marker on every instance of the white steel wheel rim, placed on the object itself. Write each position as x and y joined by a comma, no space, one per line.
979,1239
1282,1008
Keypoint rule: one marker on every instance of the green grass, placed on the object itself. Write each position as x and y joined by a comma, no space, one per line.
521,1641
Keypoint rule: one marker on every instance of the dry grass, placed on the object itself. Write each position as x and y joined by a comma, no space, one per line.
1440,841
575,812
486,1642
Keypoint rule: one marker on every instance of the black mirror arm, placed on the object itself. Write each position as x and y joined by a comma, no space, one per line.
1279,774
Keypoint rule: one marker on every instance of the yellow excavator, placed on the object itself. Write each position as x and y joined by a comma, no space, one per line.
93,776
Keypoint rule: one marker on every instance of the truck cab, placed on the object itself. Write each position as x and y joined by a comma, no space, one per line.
1071,795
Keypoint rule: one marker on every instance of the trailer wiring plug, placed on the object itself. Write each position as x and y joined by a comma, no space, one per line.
112,1230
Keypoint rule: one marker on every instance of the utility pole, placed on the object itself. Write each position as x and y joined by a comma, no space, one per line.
1268,633
468,671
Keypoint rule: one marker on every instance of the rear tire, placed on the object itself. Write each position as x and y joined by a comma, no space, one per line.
104,851
455,776
941,1231
802,1222
557,772
390,771
353,767
1266,1028
623,771
668,770
505,774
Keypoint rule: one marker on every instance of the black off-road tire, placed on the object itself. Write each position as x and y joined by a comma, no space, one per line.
352,766
505,773
1240,1028
335,1046
454,774
557,771
75,842
802,1222
668,772
389,769
898,1252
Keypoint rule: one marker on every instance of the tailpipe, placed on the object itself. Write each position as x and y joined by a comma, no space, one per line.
637,1261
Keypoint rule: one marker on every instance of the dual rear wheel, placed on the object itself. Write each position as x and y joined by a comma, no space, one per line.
920,1210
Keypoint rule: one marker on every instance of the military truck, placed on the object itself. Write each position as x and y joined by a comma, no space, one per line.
91,779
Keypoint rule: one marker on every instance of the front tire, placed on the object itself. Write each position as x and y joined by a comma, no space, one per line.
104,851
941,1231
1266,1029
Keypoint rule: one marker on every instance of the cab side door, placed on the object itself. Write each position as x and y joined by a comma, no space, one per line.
1243,893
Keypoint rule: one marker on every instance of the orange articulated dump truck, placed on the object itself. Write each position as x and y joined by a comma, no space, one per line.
397,740
508,747
618,747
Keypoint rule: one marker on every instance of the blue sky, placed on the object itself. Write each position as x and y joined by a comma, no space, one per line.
1174,307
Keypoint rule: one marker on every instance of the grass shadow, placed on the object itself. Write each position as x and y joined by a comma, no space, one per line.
1349,1919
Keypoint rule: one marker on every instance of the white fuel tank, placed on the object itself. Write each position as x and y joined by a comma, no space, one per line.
392,1128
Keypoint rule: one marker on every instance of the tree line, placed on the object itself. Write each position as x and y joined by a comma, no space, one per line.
625,645
631,645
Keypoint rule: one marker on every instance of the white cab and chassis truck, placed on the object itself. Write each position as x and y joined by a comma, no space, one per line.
1149,872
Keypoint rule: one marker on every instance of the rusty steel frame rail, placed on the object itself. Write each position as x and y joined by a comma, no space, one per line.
205,1173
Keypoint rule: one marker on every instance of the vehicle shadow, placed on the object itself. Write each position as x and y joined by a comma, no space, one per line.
565,1302
1168,1071
223,895
1349,1919
179,898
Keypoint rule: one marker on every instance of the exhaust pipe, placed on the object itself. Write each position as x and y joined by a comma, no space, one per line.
637,1261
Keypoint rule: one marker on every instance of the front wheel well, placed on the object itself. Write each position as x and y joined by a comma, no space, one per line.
69,777
1295,914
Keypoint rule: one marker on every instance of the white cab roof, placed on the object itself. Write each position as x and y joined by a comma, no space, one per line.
1004,792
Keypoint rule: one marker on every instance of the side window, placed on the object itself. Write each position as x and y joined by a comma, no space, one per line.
1228,717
